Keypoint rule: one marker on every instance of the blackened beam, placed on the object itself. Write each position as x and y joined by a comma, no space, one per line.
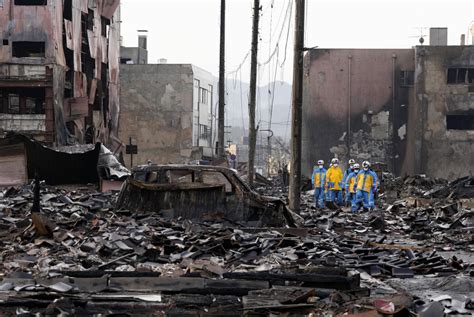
314,280
25,83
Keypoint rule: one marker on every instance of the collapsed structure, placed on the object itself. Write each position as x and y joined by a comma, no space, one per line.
59,68
410,108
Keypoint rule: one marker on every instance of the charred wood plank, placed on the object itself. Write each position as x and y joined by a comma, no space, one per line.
313,280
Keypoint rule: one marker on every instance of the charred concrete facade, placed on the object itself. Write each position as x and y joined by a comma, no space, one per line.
442,121
166,110
355,105
412,109
59,68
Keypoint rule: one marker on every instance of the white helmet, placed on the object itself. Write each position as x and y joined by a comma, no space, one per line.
366,164
356,166
351,162
334,161
320,162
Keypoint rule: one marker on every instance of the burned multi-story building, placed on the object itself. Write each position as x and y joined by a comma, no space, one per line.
59,69
412,109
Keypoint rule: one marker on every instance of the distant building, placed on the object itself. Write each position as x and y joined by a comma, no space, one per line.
412,109
59,68
441,125
167,111
135,55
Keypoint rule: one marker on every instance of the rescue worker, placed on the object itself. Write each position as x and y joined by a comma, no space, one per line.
349,187
349,170
366,185
318,180
334,183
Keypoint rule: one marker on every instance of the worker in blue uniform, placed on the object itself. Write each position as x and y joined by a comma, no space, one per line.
350,187
349,170
318,180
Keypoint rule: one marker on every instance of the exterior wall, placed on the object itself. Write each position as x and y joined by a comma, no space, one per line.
355,107
24,123
157,112
74,82
204,82
441,152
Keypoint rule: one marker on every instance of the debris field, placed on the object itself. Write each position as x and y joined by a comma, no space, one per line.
82,256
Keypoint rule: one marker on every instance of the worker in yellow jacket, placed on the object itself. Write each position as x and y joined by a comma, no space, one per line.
334,184
366,185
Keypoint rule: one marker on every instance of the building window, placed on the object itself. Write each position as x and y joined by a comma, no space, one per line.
28,49
13,104
67,12
5,42
31,2
460,76
204,96
105,24
460,122
407,78
203,132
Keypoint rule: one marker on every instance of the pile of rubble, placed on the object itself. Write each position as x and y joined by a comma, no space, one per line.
94,259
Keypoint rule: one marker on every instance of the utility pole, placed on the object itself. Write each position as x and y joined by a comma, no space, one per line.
253,92
296,112
220,128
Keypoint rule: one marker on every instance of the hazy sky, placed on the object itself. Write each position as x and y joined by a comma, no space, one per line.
187,31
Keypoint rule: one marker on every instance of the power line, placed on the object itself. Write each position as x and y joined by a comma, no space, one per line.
287,18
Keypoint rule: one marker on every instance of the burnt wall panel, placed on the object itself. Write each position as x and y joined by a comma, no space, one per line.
354,105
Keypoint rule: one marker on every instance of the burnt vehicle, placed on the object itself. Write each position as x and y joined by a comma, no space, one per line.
204,193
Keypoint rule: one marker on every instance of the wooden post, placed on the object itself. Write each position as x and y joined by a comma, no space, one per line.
296,112
253,93
221,111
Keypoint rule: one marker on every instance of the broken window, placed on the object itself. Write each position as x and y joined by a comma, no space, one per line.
28,49
460,122
31,2
13,104
30,105
105,24
22,100
67,12
452,75
90,19
407,78
179,176
460,75
216,178
204,96
203,131
470,76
